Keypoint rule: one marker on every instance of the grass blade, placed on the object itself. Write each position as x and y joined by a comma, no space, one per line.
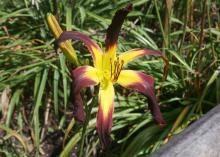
36,109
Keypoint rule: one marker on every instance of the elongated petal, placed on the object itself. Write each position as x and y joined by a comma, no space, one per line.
137,53
114,29
104,116
144,84
83,76
93,48
66,46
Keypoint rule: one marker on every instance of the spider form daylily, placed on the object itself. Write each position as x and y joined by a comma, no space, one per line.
107,71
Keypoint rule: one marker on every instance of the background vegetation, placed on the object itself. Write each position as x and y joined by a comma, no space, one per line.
35,104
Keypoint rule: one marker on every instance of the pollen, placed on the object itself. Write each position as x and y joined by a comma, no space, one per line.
116,68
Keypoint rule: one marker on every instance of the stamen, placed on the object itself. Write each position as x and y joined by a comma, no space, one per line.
115,69
119,69
118,65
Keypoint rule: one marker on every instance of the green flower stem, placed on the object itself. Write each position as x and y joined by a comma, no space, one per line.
88,115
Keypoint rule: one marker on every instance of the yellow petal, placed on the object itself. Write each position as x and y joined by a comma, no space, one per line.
144,84
137,53
106,109
66,46
83,76
129,77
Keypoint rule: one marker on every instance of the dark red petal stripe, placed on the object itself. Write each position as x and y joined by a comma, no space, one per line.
147,88
79,82
115,27
67,35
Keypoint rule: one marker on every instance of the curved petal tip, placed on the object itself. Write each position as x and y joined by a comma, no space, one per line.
78,111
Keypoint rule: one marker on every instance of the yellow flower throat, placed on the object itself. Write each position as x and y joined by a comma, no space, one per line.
111,70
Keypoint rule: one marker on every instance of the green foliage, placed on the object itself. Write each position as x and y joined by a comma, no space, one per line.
36,113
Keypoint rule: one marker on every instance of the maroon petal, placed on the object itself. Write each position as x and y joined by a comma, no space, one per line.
93,48
84,76
144,84
104,116
115,27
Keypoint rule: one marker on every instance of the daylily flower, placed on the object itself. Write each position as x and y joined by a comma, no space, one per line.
107,71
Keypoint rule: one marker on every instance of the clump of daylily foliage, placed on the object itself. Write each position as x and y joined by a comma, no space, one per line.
107,70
